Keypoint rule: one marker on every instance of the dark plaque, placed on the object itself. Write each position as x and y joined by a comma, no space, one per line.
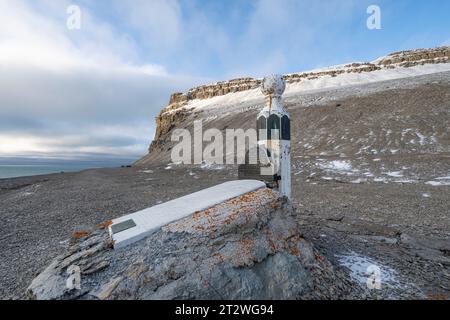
285,128
116,228
273,123
261,124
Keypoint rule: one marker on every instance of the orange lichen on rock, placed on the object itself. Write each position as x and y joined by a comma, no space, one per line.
105,224
218,256
295,251
247,245
274,205
200,214
81,234
229,214
318,257
269,237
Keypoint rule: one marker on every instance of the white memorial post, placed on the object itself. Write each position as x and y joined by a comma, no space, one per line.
274,128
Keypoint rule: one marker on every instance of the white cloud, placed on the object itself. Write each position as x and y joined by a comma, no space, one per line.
39,41
66,92
267,37
100,87
159,21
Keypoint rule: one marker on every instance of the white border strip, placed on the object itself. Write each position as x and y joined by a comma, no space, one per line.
152,219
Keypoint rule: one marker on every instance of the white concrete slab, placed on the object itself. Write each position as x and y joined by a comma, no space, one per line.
152,219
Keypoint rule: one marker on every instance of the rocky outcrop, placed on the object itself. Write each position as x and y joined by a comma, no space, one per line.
174,113
413,58
222,88
165,122
246,248
404,59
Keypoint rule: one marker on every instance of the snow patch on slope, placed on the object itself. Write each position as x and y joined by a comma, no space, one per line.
441,181
347,79
246,99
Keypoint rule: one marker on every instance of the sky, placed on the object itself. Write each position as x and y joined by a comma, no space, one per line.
94,92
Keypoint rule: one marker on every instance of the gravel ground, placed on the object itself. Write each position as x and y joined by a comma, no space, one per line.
390,225
39,214
371,180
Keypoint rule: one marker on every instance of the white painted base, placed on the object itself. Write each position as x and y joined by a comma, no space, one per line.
280,160
152,219
285,168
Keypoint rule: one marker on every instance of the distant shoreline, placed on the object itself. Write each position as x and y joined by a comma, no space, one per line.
11,171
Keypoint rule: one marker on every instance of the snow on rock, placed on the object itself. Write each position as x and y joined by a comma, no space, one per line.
370,273
395,174
347,79
220,106
438,182
241,92
337,165
363,269
248,98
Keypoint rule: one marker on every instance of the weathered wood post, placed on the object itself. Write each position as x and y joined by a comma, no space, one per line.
274,132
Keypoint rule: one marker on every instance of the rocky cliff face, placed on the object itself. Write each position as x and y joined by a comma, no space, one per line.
422,116
394,60
178,109
413,58
246,248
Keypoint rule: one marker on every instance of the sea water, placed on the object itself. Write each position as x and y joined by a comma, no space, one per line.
23,170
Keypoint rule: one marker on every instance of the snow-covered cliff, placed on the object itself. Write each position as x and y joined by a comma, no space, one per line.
216,103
